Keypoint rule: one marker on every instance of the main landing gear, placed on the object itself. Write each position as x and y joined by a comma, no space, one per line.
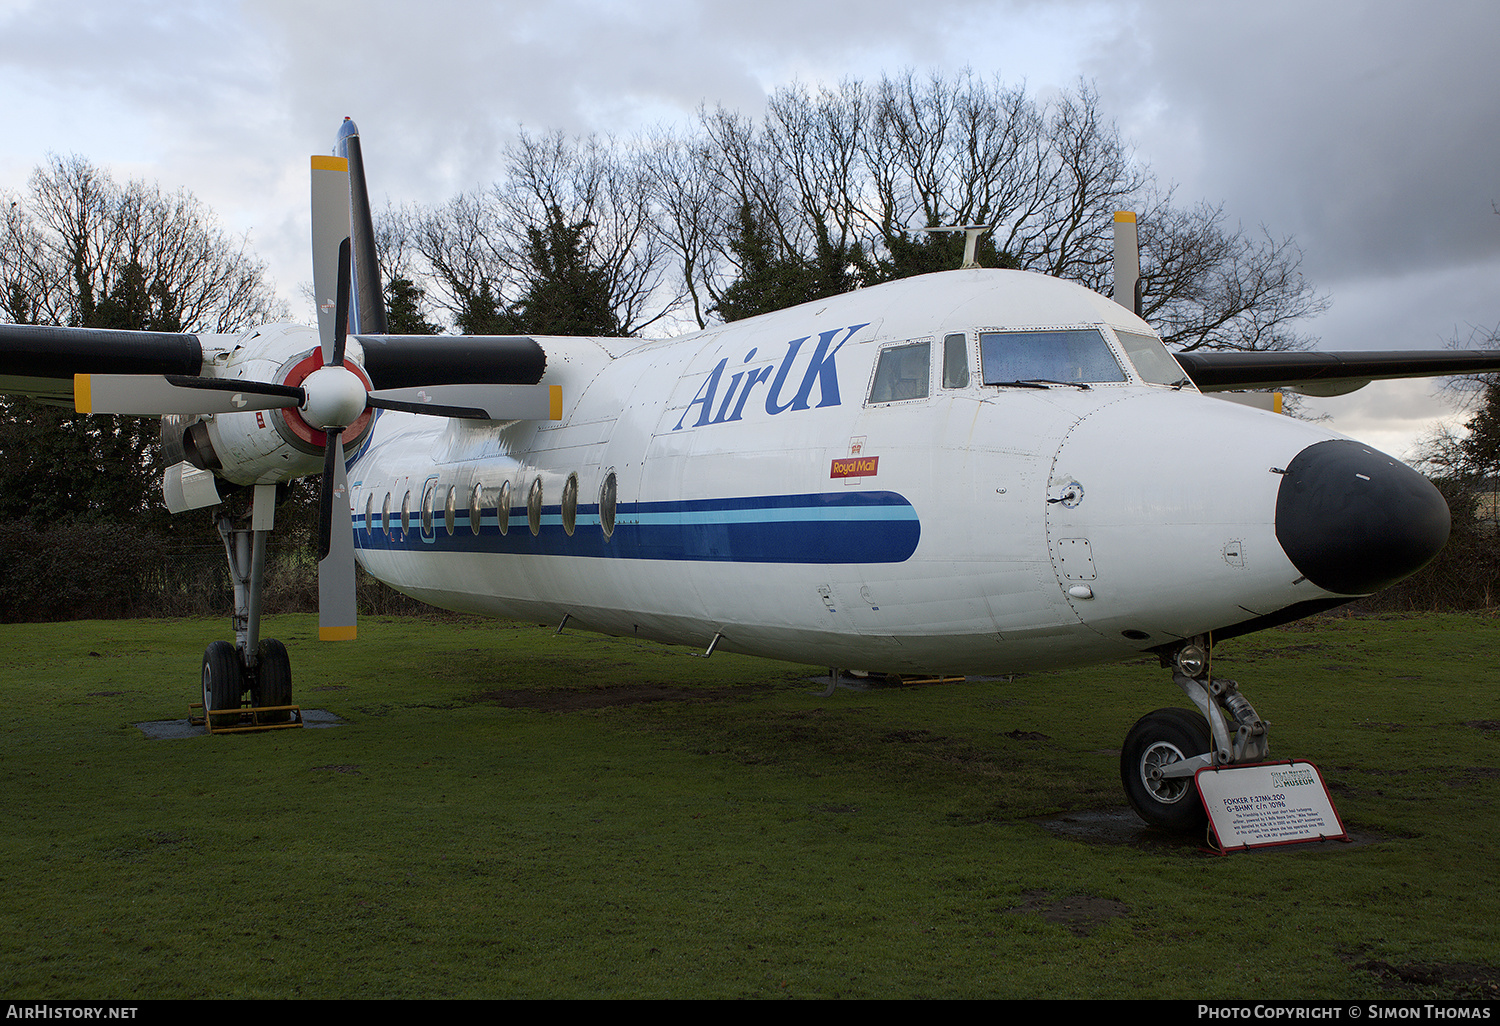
254,664
1167,747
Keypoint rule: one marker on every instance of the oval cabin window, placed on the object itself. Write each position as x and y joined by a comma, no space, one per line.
570,504
502,508
607,505
534,506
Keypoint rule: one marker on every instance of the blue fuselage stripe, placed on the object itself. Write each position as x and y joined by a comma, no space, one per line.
859,527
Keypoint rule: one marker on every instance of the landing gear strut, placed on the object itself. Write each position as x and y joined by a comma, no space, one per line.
1167,747
253,664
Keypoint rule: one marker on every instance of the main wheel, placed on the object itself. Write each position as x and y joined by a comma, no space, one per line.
223,684
273,680
1158,739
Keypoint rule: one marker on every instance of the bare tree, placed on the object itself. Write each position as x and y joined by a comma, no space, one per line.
78,237
834,183
599,187
690,213
460,255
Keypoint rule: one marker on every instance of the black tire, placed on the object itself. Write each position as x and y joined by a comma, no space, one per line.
223,684
273,680
1158,738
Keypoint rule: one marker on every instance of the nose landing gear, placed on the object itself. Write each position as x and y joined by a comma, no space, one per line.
1167,747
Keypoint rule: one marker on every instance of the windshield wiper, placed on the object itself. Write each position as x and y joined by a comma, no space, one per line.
1040,383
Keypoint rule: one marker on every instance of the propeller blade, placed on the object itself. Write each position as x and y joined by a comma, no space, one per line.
331,272
332,450
474,402
341,314
154,395
368,283
330,233
336,603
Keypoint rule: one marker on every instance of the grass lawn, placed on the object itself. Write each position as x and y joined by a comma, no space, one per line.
510,813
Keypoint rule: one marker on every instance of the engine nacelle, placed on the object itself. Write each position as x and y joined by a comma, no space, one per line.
260,446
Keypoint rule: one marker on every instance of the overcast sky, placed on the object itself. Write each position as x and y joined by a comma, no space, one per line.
1369,131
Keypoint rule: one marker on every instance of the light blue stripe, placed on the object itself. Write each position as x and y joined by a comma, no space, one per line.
801,514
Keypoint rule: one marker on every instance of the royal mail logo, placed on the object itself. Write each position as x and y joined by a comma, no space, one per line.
855,466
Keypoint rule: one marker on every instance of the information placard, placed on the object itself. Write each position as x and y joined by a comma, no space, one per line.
1268,803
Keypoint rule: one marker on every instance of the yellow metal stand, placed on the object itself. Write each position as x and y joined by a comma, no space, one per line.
252,713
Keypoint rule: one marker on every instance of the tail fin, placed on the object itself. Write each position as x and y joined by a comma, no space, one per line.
367,297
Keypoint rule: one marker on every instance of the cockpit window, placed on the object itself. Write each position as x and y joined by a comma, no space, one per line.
1072,357
902,373
1152,360
956,361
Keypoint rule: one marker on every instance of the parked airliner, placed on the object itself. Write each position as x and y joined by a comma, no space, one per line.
971,472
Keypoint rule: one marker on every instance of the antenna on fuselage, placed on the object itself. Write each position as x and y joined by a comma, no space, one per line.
1127,262
972,232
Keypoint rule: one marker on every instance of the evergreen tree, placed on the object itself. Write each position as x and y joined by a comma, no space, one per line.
911,254
1480,452
404,308
565,294
771,279
482,313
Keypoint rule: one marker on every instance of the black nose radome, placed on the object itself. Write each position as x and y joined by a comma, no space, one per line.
1355,520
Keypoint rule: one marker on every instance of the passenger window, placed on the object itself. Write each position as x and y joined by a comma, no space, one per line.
955,361
1076,357
502,508
427,507
370,513
476,508
570,504
607,496
534,506
902,373
450,510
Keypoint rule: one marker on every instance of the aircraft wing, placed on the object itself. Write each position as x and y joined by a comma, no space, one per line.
41,361
1327,373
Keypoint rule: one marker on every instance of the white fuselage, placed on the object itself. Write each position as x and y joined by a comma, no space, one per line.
767,489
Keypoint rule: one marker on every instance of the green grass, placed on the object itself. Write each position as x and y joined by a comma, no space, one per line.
744,837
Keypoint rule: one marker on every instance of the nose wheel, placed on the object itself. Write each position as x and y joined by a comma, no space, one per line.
1166,748
1157,741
